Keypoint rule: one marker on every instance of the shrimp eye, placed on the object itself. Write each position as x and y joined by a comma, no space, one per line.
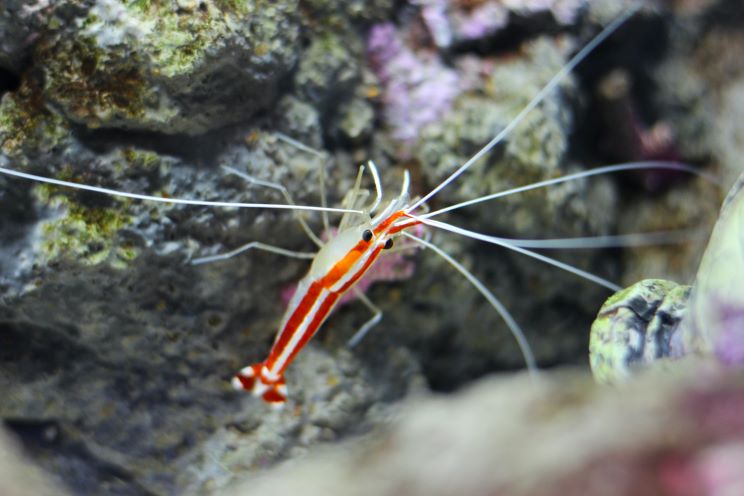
367,235
388,244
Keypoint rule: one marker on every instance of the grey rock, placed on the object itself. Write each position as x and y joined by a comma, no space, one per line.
340,15
21,25
328,71
169,67
356,121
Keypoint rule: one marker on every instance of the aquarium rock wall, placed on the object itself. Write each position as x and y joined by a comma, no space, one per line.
116,352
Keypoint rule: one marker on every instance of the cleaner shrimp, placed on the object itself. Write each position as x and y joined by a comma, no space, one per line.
266,379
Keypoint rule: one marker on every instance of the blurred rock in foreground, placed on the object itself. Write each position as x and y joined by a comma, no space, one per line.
18,477
659,435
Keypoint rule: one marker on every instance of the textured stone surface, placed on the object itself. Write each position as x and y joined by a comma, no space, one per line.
638,327
655,320
18,476
21,23
453,22
109,337
171,67
559,435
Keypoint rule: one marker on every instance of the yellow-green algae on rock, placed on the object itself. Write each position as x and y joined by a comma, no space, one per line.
87,235
169,66
636,327
27,126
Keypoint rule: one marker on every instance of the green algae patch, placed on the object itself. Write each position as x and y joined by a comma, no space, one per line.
84,234
95,85
27,124
136,159
634,328
166,66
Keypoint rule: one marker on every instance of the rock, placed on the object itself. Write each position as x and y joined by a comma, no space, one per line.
655,320
655,435
19,476
21,24
342,15
356,122
328,71
637,327
465,22
170,67
716,310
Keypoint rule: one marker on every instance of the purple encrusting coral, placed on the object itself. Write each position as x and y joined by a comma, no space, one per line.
418,89
729,344
449,20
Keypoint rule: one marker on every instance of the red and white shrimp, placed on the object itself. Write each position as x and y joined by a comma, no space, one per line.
337,267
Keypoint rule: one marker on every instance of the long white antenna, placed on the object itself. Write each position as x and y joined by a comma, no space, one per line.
179,201
609,241
538,98
516,331
501,242
580,175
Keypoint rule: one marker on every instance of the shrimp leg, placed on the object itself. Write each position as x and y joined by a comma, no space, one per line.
257,245
285,193
253,245
367,326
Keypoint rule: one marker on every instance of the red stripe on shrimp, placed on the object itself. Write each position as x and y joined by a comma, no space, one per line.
325,308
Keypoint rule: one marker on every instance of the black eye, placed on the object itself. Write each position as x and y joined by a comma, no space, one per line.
388,244
367,235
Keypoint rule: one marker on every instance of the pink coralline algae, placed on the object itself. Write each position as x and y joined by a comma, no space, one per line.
715,471
417,88
452,20
729,344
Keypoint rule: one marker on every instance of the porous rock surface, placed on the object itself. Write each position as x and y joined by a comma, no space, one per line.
113,342
170,67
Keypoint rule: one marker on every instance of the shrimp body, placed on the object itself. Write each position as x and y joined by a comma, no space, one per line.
336,268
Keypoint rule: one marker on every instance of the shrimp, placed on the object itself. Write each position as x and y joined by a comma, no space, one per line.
336,268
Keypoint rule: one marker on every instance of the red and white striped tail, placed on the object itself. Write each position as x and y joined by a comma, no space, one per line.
258,380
